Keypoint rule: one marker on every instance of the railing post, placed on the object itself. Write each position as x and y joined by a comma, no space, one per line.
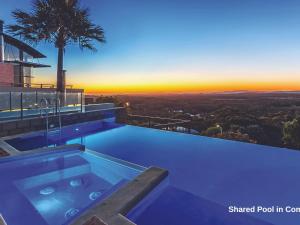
10,104
21,105
81,101
36,98
56,102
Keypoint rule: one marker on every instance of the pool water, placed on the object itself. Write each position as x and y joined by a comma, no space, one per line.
55,188
175,206
204,172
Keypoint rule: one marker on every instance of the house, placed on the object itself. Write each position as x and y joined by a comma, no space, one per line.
18,94
17,60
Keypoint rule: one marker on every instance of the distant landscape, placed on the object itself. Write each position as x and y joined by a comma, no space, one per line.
268,118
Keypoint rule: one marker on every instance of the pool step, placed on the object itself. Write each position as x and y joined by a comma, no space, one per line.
53,169
52,177
54,131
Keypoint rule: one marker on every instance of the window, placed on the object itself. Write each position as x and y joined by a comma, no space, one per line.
27,57
11,53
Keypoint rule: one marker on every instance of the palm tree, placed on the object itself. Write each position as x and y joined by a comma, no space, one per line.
60,22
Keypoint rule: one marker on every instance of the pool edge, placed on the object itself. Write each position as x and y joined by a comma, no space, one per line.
112,210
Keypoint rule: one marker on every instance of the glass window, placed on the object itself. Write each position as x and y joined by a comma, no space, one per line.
11,53
27,57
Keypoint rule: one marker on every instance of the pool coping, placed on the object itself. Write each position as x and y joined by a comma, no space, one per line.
68,148
112,210
2,221
41,151
116,160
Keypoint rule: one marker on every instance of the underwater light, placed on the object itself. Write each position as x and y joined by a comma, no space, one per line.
48,205
76,182
77,129
94,195
71,212
47,191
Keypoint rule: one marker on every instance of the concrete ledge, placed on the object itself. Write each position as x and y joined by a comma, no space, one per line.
18,154
51,149
2,221
111,210
116,220
3,153
9,149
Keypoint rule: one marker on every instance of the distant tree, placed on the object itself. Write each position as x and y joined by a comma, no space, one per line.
212,131
291,133
109,99
59,22
237,136
241,120
235,128
256,132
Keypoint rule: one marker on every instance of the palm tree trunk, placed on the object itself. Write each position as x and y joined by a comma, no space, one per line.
60,82
60,62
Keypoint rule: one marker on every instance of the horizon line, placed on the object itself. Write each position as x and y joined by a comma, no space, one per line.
193,92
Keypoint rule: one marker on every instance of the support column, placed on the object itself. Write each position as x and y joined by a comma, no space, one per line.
1,42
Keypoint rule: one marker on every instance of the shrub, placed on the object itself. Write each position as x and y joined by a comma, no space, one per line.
212,131
291,133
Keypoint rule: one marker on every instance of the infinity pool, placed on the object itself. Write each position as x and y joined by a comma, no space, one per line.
55,188
207,175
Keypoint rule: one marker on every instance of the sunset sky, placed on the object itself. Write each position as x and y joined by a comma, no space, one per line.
176,46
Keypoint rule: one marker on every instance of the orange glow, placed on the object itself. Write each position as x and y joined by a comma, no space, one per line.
182,83
193,87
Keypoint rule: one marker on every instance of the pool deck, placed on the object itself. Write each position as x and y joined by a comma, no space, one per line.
112,210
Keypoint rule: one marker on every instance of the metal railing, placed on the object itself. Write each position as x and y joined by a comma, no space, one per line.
56,110
159,122
32,85
45,109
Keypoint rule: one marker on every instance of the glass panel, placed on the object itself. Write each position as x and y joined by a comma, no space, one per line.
4,101
27,57
27,76
50,96
11,53
16,100
29,100
73,99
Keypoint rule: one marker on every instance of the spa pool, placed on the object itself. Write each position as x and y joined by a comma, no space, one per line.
54,188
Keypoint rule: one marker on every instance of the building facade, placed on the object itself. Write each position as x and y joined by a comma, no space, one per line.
17,61
19,96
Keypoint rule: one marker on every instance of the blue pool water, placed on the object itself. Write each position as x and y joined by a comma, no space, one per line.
55,188
206,175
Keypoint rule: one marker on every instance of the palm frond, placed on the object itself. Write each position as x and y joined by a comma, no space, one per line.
59,22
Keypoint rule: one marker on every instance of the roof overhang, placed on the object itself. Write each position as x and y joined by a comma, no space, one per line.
23,46
28,64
